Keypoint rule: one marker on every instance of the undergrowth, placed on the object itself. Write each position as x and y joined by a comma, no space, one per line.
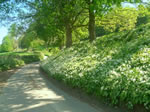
115,66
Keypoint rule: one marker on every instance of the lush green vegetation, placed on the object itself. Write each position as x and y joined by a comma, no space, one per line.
11,60
62,23
115,66
99,46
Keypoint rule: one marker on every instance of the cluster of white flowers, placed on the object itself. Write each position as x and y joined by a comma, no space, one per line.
119,70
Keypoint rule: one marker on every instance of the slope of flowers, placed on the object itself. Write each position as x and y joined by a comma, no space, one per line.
115,66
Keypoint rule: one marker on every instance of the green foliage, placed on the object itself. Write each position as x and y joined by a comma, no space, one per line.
11,60
9,63
54,51
37,44
10,42
27,38
60,19
119,19
80,34
143,15
52,19
13,30
143,11
7,44
100,31
115,66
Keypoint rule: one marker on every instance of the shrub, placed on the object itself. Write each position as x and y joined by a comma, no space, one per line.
12,60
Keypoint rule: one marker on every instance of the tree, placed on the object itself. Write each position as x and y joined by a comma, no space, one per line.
99,7
67,14
119,19
7,44
143,15
37,44
54,16
13,30
27,38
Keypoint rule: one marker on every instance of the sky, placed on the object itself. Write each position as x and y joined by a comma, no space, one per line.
4,30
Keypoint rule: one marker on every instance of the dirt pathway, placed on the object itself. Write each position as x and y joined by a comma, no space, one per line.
4,76
28,91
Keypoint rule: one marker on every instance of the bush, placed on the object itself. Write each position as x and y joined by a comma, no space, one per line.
16,62
31,58
12,60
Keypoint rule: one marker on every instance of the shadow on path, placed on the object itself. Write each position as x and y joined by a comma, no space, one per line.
28,91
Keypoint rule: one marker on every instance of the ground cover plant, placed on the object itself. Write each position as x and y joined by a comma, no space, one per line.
115,66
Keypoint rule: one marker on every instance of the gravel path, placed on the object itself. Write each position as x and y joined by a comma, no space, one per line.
29,91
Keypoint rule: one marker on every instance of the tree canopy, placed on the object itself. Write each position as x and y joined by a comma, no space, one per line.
58,21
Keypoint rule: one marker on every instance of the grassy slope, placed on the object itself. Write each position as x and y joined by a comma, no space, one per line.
115,66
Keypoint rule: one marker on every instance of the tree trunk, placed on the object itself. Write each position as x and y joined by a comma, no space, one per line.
68,36
62,43
92,34
47,44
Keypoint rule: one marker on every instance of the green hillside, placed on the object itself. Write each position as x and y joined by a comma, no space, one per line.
115,66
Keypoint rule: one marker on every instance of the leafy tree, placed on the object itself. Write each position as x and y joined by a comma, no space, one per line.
54,20
44,25
37,44
7,44
67,15
143,15
80,34
54,16
8,11
100,7
120,19
26,39
13,30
